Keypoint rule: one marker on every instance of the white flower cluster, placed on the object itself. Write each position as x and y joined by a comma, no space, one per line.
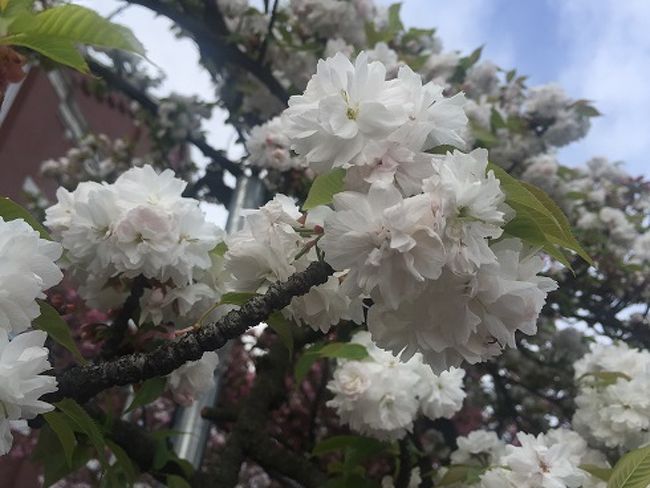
27,268
414,230
550,460
275,242
268,147
381,395
97,157
613,402
348,110
179,117
140,225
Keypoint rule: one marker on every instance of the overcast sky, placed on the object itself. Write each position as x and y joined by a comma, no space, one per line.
596,49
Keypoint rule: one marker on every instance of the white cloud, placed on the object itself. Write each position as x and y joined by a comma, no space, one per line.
608,61
463,25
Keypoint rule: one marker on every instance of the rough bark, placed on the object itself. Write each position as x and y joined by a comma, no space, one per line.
83,382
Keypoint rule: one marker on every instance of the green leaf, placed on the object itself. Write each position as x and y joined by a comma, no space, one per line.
632,470
51,322
339,442
123,461
538,219
584,108
10,210
344,350
175,481
442,149
341,350
56,32
461,473
324,188
220,249
496,120
59,425
49,454
605,378
58,50
81,25
305,362
236,298
87,425
597,471
484,137
394,22
282,327
148,392
561,219
10,8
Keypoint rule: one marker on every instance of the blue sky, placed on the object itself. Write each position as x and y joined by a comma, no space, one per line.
596,49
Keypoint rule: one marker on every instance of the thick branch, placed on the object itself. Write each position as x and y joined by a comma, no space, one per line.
273,457
247,437
217,47
151,105
83,382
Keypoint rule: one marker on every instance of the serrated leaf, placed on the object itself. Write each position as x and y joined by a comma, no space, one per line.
537,213
10,210
561,219
282,327
60,426
57,50
81,25
632,470
324,187
148,392
56,32
86,424
123,461
597,471
58,329
52,458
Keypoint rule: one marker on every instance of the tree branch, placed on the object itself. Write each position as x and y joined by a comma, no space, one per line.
217,47
151,105
84,382
120,325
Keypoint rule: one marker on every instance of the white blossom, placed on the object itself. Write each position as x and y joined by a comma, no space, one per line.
472,204
27,268
343,106
22,360
382,394
140,225
389,243
268,147
193,378
467,317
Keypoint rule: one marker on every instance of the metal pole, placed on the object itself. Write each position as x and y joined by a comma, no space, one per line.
190,443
